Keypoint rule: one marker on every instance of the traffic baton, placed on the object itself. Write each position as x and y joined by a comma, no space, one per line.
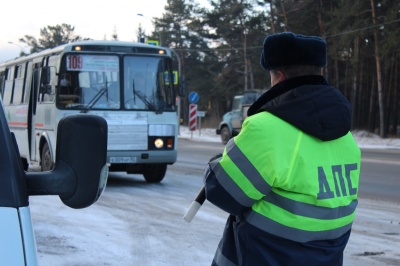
195,206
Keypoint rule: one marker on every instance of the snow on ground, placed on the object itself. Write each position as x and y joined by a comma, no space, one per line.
374,239
375,229
366,140
363,138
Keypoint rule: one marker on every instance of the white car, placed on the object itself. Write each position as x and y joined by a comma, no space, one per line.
79,178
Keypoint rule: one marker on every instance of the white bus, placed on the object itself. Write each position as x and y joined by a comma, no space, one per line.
131,85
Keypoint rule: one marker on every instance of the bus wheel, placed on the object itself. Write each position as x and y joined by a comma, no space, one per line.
47,163
225,135
154,173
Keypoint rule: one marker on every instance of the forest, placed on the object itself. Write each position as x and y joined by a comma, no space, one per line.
220,50
219,47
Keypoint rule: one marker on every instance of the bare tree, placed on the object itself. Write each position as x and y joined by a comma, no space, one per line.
378,74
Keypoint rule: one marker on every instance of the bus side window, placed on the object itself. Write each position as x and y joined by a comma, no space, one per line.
19,75
8,87
36,84
2,79
28,82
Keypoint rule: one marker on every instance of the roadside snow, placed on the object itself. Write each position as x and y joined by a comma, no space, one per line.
363,138
366,140
105,235
376,226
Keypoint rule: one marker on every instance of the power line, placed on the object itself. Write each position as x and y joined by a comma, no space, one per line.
362,29
259,47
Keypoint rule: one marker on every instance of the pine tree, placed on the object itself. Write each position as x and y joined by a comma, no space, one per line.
51,36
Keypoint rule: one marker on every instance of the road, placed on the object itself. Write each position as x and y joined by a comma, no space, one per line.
380,174
380,178
136,223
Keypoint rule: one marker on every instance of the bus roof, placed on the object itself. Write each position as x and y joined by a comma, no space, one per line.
96,46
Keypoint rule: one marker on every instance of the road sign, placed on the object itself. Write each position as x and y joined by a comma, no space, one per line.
193,97
152,42
175,76
201,113
192,116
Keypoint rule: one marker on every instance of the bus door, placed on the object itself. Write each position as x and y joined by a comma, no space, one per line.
44,122
27,99
33,100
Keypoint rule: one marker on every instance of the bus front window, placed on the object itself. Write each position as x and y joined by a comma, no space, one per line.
146,84
93,82
99,90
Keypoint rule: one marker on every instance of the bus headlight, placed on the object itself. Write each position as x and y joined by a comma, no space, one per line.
159,143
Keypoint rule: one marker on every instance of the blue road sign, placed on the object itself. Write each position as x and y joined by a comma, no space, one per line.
193,97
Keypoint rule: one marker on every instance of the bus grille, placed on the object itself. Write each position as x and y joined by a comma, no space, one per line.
127,136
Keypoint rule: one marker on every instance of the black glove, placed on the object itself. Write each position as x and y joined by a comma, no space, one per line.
219,155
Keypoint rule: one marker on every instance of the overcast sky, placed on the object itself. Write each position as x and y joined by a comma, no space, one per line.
91,19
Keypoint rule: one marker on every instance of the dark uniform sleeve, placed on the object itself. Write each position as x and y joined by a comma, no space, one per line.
217,195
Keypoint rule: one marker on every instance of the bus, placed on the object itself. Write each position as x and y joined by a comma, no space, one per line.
131,85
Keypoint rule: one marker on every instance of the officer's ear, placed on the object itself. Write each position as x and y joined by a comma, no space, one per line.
276,76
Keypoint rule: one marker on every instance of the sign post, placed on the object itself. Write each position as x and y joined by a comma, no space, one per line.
192,116
200,114
193,99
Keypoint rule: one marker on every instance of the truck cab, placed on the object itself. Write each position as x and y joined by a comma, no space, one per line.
232,121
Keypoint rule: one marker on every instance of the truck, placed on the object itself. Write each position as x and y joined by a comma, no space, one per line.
232,121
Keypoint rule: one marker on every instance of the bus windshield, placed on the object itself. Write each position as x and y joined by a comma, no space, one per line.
146,84
94,82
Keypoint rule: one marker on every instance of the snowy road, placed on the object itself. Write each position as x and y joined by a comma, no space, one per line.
136,223
133,223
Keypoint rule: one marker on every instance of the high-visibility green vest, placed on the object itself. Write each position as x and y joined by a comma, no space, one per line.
298,187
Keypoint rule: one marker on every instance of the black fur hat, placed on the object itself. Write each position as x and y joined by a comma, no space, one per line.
287,49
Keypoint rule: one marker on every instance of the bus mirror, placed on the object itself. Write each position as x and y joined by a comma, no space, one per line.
45,78
45,88
80,173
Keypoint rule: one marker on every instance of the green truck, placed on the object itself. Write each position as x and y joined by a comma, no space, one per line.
232,121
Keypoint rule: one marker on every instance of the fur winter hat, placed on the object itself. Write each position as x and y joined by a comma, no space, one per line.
287,49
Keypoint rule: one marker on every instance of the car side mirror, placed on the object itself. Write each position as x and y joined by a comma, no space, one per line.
81,172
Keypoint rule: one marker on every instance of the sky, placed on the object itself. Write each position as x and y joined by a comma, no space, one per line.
91,19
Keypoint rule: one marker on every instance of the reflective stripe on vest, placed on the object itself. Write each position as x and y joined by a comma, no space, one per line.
294,234
299,187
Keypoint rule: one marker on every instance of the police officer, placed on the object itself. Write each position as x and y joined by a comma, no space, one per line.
289,180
